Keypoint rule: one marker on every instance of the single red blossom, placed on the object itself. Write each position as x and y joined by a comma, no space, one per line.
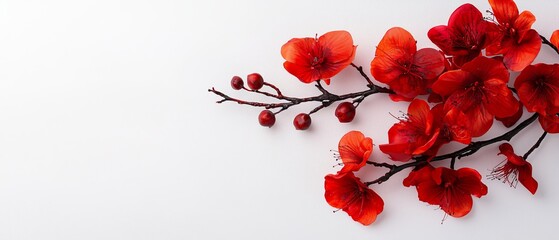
313,59
465,36
413,135
355,149
480,91
555,38
538,87
514,169
450,189
346,192
453,125
517,41
407,71
550,122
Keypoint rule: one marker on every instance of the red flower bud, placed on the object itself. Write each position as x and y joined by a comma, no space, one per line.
345,112
266,118
237,83
302,121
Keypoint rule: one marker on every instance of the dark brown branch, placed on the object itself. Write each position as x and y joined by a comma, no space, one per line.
325,99
536,145
466,151
360,70
547,42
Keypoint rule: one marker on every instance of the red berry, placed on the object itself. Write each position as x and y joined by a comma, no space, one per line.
302,121
266,118
237,83
345,112
255,81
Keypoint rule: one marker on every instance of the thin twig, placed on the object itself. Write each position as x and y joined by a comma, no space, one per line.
536,145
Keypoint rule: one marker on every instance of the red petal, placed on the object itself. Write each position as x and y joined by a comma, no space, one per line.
397,38
458,126
385,67
526,179
464,15
409,86
510,121
457,204
427,145
296,50
507,150
430,63
397,151
338,46
419,115
521,54
451,81
505,10
418,175
480,119
366,210
441,36
499,99
347,192
524,23
430,192
303,73
550,122
399,98
470,182
340,188
555,38
487,68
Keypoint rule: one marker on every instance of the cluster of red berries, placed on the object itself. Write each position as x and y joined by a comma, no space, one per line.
345,112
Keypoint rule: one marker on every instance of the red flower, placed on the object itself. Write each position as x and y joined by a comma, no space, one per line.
538,87
515,169
346,192
518,43
480,91
355,149
406,70
452,125
313,59
413,135
465,36
451,189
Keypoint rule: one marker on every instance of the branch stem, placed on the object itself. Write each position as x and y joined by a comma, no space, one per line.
466,151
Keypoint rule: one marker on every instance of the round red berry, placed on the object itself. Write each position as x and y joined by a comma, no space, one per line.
345,112
255,81
302,121
267,118
237,83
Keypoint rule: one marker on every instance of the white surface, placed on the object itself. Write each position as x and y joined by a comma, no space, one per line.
107,130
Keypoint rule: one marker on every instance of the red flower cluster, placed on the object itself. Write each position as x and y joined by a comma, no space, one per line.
469,90
345,191
467,84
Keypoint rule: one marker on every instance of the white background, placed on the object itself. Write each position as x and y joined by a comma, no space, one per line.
107,130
